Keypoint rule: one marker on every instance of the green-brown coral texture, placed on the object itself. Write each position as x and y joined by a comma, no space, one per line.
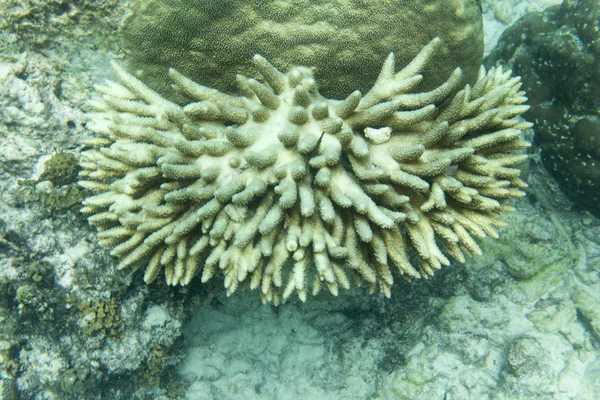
282,190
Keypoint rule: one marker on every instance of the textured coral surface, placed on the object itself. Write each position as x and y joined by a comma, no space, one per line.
345,40
557,54
284,190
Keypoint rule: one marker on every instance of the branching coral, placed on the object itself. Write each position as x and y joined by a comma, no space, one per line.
283,190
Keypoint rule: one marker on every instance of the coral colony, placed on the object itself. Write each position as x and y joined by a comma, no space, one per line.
283,190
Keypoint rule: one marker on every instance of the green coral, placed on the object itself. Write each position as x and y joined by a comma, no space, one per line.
345,40
100,317
284,190
51,200
61,169
62,198
73,380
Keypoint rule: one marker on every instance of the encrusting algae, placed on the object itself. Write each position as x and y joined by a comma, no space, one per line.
283,190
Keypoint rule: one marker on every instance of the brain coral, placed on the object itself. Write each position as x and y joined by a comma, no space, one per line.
281,189
210,41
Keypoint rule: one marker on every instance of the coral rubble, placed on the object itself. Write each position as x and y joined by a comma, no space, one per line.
284,190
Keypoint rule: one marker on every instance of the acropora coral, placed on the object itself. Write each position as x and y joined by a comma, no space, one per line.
283,190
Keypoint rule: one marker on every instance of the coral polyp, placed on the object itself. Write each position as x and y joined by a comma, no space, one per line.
283,190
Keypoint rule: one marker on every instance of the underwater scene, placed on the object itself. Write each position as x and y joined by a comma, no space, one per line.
309,199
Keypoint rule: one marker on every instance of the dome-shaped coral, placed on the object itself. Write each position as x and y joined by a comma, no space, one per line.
210,41
284,190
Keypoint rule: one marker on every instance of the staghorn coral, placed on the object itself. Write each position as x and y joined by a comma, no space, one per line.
283,190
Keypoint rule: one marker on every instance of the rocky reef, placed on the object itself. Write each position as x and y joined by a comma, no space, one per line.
72,326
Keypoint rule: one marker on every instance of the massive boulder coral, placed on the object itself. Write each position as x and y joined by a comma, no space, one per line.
210,41
557,53
281,189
